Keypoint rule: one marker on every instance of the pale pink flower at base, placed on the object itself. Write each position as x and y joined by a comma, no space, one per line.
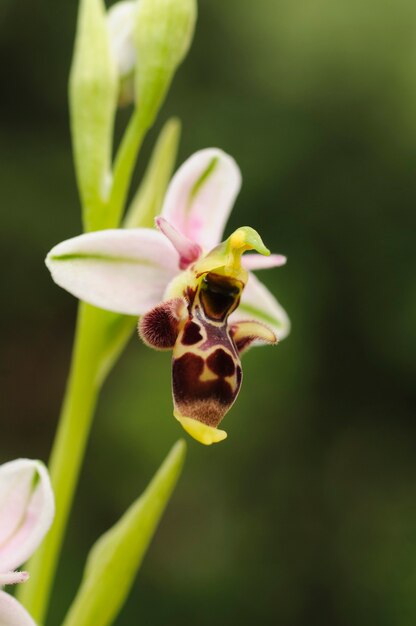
26,513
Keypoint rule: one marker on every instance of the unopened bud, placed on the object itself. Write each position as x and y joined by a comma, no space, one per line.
121,20
163,35
93,89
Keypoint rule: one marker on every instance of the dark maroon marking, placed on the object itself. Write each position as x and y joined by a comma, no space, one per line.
239,375
221,363
216,306
217,336
185,372
219,295
159,327
190,296
191,334
244,343
206,401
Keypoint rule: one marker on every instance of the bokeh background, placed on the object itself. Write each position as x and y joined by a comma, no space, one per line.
306,515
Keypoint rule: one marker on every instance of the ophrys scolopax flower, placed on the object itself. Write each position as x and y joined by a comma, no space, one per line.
26,513
196,295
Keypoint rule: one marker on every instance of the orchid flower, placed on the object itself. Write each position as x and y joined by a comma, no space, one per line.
196,295
26,513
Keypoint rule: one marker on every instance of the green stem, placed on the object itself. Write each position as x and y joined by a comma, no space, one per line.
67,454
124,164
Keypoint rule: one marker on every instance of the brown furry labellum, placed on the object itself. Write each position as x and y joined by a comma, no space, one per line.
206,365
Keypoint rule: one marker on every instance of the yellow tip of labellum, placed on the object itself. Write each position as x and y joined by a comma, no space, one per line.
201,432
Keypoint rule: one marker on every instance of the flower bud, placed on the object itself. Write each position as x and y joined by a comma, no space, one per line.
163,34
93,91
121,19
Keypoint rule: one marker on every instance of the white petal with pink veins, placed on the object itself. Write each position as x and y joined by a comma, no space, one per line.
201,195
125,270
26,510
260,262
12,613
258,303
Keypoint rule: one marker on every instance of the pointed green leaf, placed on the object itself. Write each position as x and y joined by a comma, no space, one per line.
115,558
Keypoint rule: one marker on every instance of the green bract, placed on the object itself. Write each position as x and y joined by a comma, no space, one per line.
115,558
148,200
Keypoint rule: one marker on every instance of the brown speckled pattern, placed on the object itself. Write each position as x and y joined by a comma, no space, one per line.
206,374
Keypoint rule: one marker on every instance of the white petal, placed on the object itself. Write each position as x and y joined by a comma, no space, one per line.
257,303
15,486
26,510
201,194
12,613
125,271
260,262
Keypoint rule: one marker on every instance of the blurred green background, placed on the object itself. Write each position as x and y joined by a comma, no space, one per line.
306,515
